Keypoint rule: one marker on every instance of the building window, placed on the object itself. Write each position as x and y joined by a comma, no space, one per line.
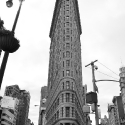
67,30
64,32
63,63
71,31
64,17
73,112
67,111
71,63
67,12
71,55
57,114
67,37
67,84
57,101
67,97
67,23
64,24
63,46
67,73
67,18
61,111
71,46
72,73
62,97
67,63
63,73
63,55
63,85
72,86
64,38
67,6
73,98
67,45
55,117
67,54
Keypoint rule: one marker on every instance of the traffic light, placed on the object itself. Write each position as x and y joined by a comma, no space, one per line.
91,97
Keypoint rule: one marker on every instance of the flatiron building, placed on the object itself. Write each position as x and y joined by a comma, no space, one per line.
65,99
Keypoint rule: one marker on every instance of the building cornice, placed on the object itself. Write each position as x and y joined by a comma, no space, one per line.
56,13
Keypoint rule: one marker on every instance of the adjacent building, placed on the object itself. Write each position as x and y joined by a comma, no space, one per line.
105,121
6,117
116,111
117,100
42,108
122,84
12,91
7,112
65,89
23,108
112,114
28,122
21,113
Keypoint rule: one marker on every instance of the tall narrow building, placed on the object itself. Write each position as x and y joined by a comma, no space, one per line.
23,108
65,101
42,108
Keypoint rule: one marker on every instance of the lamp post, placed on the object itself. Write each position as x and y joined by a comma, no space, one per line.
9,3
94,89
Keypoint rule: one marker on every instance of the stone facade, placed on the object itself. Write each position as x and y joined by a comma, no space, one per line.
65,99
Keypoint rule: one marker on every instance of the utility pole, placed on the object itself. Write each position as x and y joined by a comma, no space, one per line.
94,90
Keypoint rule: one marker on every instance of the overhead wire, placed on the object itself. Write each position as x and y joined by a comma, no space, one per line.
108,68
107,75
103,73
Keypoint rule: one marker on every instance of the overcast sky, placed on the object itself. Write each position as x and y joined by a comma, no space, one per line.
103,38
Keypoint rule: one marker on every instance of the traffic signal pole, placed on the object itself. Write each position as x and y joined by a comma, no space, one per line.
93,81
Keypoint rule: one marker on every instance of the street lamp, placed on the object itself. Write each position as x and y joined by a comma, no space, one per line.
11,44
9,3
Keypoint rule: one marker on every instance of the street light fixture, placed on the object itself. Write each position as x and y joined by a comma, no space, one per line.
9,3
7,47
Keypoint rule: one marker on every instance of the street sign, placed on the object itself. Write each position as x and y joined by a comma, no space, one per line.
86,109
